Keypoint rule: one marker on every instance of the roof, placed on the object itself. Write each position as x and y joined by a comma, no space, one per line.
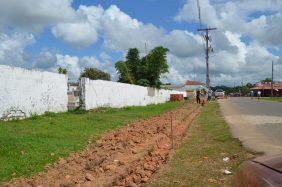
267,86
189,85
190,82
73,83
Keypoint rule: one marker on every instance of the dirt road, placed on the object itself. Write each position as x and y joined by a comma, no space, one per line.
127,157
257,123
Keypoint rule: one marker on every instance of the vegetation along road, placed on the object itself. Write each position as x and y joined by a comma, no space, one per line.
199,159
26,146
135,154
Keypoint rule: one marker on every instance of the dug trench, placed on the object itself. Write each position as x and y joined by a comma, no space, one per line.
129,156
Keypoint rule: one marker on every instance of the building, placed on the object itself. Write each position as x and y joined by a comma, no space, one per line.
189,87
265,88
73,96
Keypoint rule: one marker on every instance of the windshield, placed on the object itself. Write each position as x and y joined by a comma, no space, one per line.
219,90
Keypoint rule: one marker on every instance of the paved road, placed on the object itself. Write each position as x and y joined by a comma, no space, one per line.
257,123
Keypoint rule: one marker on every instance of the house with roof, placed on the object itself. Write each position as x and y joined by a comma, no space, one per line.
265,88
189,87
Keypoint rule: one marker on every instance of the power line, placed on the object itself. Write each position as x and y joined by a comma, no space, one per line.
199,11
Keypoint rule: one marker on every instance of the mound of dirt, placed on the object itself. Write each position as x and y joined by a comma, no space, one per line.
127,157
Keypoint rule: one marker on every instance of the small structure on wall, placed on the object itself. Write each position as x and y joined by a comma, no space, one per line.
73,95
189,87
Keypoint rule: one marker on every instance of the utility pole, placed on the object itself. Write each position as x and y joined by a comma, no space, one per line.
146,52
208,49
272,83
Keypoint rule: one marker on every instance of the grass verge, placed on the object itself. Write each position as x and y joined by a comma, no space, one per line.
277,99
199,159
26,146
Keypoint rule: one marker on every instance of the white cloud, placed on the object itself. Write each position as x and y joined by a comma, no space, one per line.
189,12
75,65
76,34
120,32
233,60
71,63
83,31
33,15
12,48
45,60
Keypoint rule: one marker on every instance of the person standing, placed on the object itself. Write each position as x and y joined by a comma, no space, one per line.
259,94
209,95
252,94
198,95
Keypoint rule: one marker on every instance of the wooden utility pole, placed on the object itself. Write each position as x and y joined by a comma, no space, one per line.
146,52
272,82
208,49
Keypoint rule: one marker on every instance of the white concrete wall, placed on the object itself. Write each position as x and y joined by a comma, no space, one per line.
25,92
99,93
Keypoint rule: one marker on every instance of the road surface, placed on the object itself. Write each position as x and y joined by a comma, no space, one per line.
257,123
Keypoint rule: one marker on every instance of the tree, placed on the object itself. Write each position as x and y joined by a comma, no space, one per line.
95,74
143,82
133,62
146,71
249,85
245,90
266,80
157,65
124,73
62,70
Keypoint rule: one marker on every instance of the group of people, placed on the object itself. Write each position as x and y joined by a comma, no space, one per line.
202,96
258,94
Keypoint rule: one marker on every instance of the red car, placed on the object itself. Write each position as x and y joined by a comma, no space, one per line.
262,171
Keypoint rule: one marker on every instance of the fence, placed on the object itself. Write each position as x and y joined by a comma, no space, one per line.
99,93
26,92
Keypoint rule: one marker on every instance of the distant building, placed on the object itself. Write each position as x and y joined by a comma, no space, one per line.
265,88
189,87
73,96
73,86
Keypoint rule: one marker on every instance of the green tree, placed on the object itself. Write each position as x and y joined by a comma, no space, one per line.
124,73
133,63
143,82
146,71
157,65
245,90
62,70
249,85
95,74
266,80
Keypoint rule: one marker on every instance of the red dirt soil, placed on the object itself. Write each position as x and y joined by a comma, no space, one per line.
127,157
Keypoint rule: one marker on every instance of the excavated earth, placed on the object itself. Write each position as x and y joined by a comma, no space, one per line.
127,157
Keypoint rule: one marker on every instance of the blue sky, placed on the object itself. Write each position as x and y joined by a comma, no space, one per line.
40,34
157,12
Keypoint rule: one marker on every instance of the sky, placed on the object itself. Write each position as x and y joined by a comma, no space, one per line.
75,34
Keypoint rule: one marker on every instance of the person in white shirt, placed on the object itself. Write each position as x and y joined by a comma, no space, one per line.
259,94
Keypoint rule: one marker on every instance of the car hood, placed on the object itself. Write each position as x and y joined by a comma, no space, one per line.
272,162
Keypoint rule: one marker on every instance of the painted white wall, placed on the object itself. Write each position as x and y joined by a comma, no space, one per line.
31,92
99,93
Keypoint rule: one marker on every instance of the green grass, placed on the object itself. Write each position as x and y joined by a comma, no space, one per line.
198,160
26,146
278,99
